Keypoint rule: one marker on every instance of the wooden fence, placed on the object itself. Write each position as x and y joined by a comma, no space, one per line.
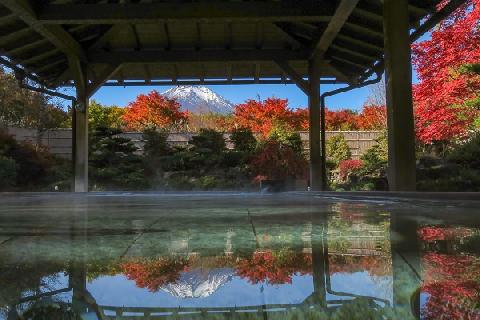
59,141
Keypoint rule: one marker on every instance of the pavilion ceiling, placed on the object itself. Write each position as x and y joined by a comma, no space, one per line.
170,42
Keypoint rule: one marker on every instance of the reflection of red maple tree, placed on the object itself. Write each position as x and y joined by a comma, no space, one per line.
374,265
436,233
452,283
153,274
275,268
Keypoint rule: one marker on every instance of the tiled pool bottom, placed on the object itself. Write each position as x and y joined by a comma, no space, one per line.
236,256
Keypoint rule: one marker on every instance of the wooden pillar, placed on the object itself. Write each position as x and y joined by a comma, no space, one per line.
398,64
316,174
80,143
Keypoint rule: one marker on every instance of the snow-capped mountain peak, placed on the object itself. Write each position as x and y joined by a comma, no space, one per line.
199,99
199,283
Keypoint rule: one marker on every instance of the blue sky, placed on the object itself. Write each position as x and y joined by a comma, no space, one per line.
354,99
238,93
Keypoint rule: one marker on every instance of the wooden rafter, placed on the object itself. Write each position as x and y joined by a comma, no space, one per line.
105,37
301,10
344,9
54,33
108,73
206,55
293,75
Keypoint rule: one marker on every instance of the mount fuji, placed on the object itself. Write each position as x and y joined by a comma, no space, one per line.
199,99
199,283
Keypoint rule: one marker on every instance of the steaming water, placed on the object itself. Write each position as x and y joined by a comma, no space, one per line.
237,256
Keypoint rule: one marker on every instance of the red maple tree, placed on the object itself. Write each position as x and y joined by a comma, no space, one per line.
278,161
442,112
274,267
262,116
154,110
154,273
372,117
343,119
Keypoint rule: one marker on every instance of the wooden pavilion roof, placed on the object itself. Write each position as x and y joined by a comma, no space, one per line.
137,42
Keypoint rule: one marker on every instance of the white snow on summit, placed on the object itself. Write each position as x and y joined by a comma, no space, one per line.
199,99
199,283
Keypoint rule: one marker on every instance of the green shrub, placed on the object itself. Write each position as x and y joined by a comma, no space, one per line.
208,141
375,160
156,144
179,181
243,140
155,152
337,149
458,171
8,172
287,137
207,182
467,155
35,167
113,162
233,158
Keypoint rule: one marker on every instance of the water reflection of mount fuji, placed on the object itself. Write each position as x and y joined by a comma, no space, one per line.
199,283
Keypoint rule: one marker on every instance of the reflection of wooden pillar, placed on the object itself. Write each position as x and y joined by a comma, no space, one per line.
80,143
398,64
406,267
319,257
316,174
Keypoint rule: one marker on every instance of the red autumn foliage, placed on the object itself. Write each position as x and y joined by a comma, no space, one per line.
437,233
341,120
278,161
451,281
372,117
262,116
274,267
348,167
374,265
441,112
153,274
154,110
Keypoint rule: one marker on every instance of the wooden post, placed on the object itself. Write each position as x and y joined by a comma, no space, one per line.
80,143
401,134
314,123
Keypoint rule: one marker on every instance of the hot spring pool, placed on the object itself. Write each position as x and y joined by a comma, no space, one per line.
237,256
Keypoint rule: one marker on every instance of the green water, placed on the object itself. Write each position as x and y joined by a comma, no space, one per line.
236,256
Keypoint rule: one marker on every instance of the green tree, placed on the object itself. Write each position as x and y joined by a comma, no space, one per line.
243,140
208,141
104,116
375,159
114,165
26,109
286,136
337,149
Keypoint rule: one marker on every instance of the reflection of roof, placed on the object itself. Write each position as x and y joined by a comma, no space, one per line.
199,283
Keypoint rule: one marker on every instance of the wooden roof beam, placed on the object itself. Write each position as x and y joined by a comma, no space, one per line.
344,9
100,80
105,37
290,37
206,55
293,75
301,10
54,33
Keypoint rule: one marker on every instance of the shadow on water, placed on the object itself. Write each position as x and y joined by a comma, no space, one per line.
236,257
